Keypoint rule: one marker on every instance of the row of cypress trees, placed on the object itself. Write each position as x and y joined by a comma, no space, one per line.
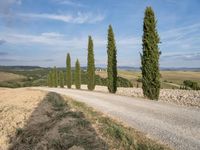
149,61
56,78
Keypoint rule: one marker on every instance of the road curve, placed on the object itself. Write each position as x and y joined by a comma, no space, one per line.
176,126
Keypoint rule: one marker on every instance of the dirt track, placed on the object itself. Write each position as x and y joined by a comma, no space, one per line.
177,126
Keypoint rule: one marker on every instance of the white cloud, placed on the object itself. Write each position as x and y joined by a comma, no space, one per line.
80,18
51,38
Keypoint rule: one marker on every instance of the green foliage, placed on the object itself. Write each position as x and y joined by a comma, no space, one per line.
90,65
68,72
55,77
50,79
78,75
122,82
150,57
191,84
61,79
112,62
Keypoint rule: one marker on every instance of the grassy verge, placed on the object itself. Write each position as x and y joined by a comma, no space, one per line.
117,135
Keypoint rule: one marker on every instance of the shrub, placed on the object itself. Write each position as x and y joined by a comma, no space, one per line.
191,84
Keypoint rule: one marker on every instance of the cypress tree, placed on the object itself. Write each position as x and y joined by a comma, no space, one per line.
150,57
48,79
77,75
61,79
112,62
68,71
90,66
55,77
51,78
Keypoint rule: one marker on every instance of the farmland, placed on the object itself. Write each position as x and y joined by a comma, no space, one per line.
169,79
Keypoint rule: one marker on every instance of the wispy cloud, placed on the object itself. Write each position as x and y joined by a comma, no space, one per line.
79,18
46,39
60,40
182,38
182,56
70,3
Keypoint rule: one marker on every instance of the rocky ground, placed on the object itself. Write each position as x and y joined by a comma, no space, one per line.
175,96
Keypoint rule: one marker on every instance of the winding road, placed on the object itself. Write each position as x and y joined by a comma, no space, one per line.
176,126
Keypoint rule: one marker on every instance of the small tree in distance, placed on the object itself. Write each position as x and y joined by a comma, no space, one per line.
61,81
150,57
112,62
77,75
68,71
55,77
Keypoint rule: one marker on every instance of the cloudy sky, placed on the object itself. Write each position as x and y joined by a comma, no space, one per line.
41,32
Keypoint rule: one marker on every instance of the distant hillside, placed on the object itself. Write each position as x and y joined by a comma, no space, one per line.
19,67
128,68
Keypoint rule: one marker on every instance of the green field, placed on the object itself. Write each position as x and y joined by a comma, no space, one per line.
169,79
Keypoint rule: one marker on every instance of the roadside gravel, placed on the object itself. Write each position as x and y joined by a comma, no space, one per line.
173,96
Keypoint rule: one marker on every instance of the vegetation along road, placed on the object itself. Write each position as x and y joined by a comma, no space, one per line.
176,126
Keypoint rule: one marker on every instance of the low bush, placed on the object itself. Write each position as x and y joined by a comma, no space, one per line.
191,84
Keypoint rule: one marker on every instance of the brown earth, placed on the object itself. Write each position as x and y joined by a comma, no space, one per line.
31,119
6,76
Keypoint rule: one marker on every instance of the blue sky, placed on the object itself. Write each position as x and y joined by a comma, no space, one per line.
41,32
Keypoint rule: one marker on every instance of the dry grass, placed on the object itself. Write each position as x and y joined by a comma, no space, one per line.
5,76
170,79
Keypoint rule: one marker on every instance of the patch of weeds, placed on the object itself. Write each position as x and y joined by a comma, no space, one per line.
57,101
65,129
57,144
83,123
19,131
117,135
117,132
76,114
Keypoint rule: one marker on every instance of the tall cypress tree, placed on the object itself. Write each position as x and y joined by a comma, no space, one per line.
61,79
112,62
150,57
68,71
77,75
90,65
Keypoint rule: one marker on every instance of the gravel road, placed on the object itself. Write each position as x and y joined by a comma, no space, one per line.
176,126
